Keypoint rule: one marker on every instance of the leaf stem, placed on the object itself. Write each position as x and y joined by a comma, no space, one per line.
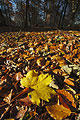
21,93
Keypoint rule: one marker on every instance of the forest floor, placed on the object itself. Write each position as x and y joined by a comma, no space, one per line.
28,29
36,28
48,63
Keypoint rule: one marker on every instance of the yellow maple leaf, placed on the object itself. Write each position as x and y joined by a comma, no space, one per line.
30,79
39,84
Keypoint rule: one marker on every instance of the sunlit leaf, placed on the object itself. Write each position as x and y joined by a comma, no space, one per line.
67,97
53,85
39,84
69,82
58,112
70,89
67,69
8,98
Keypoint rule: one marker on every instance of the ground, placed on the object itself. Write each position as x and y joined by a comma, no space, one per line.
54,52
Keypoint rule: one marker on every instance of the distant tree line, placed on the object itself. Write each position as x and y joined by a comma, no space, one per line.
40,13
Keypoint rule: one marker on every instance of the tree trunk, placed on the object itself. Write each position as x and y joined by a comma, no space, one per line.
27,7
55,19
62,14
62,21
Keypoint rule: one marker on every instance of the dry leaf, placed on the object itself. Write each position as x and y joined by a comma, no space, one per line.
8,98
21,113
41,61
67,69
18,76
26,101
67,96
58,112
69,82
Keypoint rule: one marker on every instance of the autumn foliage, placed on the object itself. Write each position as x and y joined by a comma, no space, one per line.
40,71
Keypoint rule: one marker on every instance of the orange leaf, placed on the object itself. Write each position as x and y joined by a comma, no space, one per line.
67,96
53,47
75,51
30,58
69,82
62,62
58,112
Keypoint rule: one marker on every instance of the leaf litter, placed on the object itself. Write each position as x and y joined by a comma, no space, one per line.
53,53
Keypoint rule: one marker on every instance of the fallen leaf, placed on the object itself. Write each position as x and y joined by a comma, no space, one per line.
8,98
26,101
21,113
58,112
67,69
69,82
41,61
53,85
18,76
39,84
67,96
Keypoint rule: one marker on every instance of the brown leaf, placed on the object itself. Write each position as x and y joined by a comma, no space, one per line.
21,113
63,102
58,112
25,56
26,101
68,57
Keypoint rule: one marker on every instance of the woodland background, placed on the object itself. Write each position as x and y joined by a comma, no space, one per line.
46,14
